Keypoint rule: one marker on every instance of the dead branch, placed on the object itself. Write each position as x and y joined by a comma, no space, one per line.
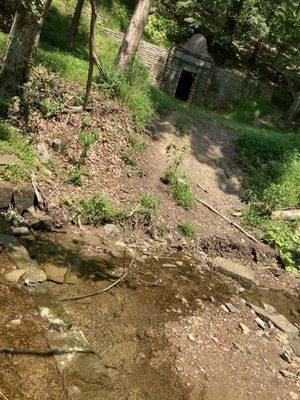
229,221
125,273
3,396
203,188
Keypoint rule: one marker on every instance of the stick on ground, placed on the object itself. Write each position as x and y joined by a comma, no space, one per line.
228,220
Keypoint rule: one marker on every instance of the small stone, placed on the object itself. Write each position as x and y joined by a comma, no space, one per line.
269,308
45,312
285,356
243,302
286,374
20,230
15,322
111,230
224,308
179,263
169,266
232,308
192,337
212,299
15,275
294,396
56,145
244,328
43,152
260,323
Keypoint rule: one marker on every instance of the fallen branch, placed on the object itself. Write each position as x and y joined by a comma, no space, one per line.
228,220
3,396
110,286
203,188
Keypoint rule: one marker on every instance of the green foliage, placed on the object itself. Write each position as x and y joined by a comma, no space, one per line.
178,183
162,30
87,139
287,242
247,110
188,229
97,210
149,204
12,142
162,229
137,146
76,175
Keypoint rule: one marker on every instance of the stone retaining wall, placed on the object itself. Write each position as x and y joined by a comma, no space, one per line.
213,86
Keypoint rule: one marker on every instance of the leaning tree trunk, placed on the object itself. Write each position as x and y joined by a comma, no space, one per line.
294,112
74,25
92,54
133,35
23,41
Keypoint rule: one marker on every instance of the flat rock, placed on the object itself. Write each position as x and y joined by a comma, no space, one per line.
15,275
54,273
295,345
38,220
279,320
244,275
19,230
24,198
6,192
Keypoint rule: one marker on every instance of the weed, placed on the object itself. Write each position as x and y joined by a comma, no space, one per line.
149,204
87,139
12,142
177,181
98,210
287,243
76,175
188,229
140,172
162,229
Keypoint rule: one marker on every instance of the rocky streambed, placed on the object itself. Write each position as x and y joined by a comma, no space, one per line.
180,324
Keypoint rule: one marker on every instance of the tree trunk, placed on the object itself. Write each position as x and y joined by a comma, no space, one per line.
232,15
93,56
253,58
74,25
23,41
133,35
293,113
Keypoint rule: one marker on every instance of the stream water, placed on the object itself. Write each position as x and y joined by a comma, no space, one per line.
126,326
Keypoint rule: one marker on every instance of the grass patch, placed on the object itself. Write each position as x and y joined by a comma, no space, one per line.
149,204
177,181
97,210
12,142
188,229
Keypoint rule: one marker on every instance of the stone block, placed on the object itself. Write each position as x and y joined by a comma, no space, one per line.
241,273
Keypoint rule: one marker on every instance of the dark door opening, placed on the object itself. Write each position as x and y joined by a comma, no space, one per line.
184,85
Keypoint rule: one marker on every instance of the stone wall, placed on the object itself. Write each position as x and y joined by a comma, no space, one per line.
153,57
213,86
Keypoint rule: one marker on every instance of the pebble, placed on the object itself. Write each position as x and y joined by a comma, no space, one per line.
232,308
286,357
212,299
179,263
15,322
294,396
244,328
192,337
260,323
286,374
224,308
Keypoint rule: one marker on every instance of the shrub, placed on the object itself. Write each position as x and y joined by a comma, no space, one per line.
188,229
149,204
98,210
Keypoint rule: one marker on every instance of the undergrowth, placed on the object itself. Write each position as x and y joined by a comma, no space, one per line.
188,229
12,142
177,181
